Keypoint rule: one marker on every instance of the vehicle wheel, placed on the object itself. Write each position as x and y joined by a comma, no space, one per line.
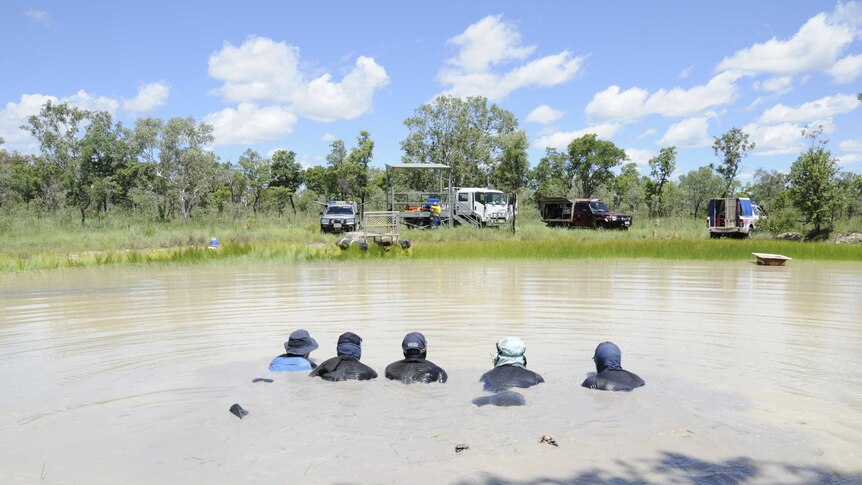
714,235
405,244
601,227
364,247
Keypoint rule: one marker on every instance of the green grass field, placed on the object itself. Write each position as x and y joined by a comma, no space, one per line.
30,243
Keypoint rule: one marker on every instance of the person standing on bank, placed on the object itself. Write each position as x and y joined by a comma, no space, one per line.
414,367
345,366
610,375
510,367
295,358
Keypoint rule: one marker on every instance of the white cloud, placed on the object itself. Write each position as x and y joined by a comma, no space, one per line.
847,69
812,110
777,85
150,96
40,17
329,137
325,100
85,100
848,158
688,133
487,44
264,71
852,145
647,132
783,138
249,123
14,115
544,114
640,157
687,71
612,104
815,47
561,139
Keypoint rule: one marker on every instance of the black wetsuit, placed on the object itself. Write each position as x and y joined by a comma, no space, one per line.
610,374
613,380
343,368
415,369
508,376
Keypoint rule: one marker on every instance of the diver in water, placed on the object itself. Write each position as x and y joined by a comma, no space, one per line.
610,375
510,367
345,366
297,348
414,367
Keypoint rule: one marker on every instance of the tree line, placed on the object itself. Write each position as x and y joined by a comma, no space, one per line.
94,164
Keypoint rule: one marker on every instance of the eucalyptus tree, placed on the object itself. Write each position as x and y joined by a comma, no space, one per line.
591,162
258,174
698,186
358,161
176,149
548,178
511,172
287,176
661,167
730,148
627,188
814,190
59,129
766,185
465,134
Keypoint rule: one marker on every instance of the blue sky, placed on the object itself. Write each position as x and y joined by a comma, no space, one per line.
295,75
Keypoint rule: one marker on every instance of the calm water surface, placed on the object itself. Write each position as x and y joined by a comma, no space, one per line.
754,374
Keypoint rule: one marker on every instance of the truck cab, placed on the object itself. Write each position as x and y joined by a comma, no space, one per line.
732,217
339,216
487,207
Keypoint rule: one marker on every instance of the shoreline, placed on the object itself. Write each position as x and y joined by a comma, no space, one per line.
506,249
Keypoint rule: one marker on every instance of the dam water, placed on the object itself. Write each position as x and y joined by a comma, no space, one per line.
753,374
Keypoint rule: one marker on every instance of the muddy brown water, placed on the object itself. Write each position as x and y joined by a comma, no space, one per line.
754,374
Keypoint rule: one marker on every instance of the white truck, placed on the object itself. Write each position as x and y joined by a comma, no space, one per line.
482,207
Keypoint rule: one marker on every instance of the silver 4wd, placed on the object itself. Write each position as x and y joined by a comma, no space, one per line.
339,216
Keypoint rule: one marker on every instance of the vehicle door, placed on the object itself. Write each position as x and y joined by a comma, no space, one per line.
464,204
479,204
583,216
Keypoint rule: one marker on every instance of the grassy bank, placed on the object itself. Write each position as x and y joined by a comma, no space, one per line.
49,243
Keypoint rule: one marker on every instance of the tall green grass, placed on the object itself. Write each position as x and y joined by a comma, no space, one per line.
28,242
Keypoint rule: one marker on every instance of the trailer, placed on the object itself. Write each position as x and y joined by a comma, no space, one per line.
380,228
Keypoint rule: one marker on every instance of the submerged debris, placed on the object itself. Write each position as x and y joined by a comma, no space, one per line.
461,447
238,411
549,440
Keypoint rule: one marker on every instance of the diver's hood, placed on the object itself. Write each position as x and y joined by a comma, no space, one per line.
608,357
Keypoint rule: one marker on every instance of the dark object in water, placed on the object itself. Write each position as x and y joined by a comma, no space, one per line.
238,411
262,379
461,447
548,439
503,399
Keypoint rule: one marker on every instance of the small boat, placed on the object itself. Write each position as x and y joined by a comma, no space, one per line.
771,259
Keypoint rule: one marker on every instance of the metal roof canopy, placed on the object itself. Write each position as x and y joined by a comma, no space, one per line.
412,166
423,166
